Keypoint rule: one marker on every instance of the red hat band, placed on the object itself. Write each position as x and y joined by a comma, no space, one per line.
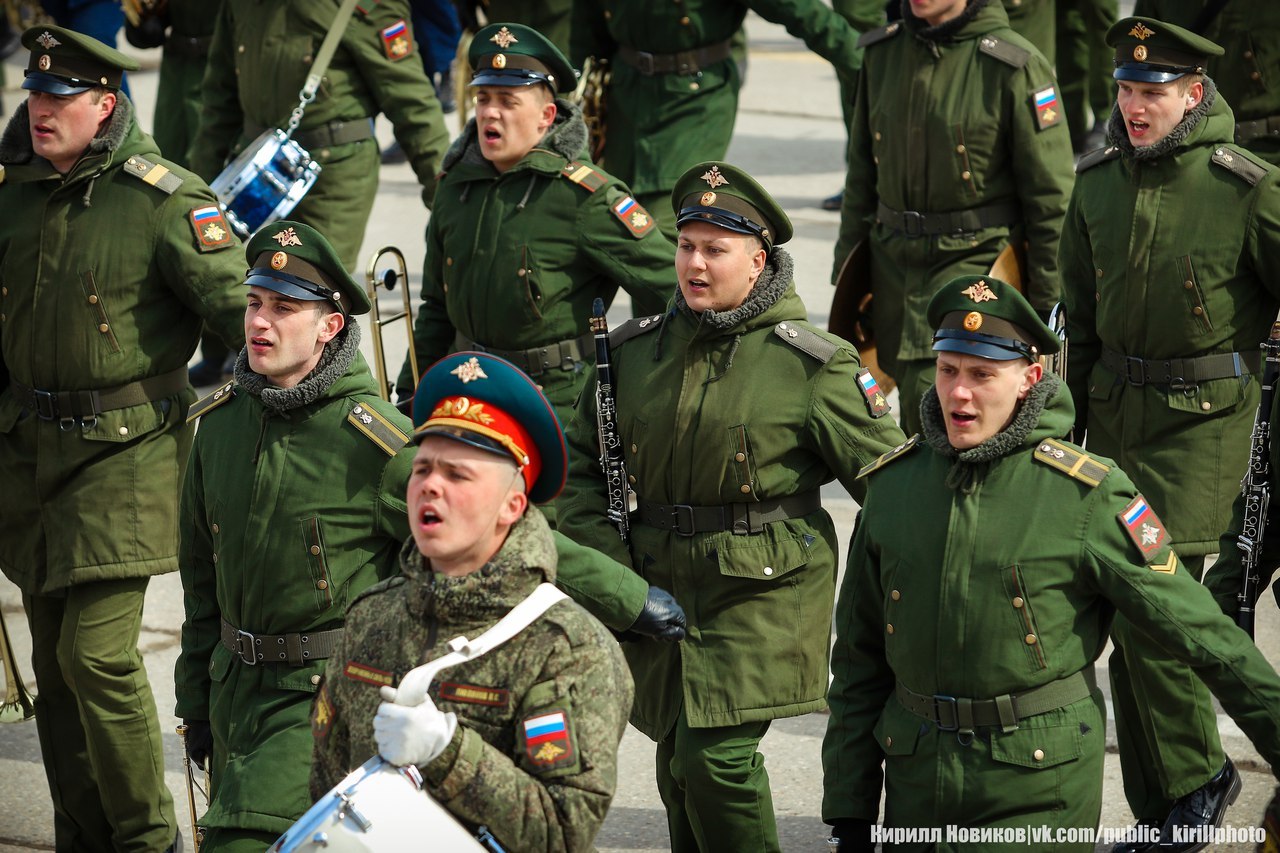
486,419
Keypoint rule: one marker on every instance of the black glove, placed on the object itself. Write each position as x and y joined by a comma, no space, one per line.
199,741
404,402
661,618
854,836
147,34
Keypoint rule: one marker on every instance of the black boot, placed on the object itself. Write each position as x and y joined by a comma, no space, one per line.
1190,824
1141,838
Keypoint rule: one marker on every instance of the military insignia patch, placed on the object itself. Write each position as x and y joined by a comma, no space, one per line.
547,741
870,388
47,41
1168,567
1048,112
369,675
1144,528
322,713
973,321
504,38
713,177
212,231
1141,31
287,237
473,694
397,41
378,429
980,292
632,215
469,371
44,62
1140,53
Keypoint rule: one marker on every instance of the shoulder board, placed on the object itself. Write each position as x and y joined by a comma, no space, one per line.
1236,161
1071,461
1089,159
898,452
584,175
380,586
382,432
205,404
156,174
807,341
633,328
1006,52
879,34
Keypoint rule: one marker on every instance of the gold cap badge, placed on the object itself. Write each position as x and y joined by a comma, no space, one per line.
979,292
504,38
47,41
1140,53
279,260
287,237
469,371
973,321
499,60
1141,31
44,62
708,199
714,178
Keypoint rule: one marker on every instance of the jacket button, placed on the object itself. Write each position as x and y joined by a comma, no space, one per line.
693,87
895,595
1038,755
322,584
1188,284
1031,639
215,558
960,149
1256,75
240,49
315,679
685,22
124,430
1098,272
888,741
521,272
1197,310
315,549
739,457
448,262
877,136
1248,54
1206,406
631,478
1018,602
93,299
216,528
966,175
634,449
889,628
103,328
746,488
4,291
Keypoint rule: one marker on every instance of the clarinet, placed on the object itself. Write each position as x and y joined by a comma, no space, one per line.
612,461
1256,486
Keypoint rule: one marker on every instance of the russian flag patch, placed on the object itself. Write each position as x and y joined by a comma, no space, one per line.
877,404
1048,113
397,41
212,231
1144,528
547,739
636,219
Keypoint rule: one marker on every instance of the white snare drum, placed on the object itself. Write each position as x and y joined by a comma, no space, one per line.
265,182
378,807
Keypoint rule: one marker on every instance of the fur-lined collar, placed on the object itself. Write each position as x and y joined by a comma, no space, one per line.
1118,136
772,285
15,144
921,30
335,361
567,138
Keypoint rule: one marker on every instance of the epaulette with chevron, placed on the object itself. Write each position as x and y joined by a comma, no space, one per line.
584,175
879,34
206,404
155,174
633,327
1248,167
1071,461
807,341
897,453
378,429
1089,159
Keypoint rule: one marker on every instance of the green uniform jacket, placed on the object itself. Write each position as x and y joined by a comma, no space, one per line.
102,283
713,416
661,125
564,663
285,518
1248,75
1003,575
515,258
259,61
1148,274
180,92
1034,21
942,125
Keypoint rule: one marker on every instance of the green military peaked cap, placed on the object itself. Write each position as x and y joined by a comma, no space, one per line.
516,55
296,260
980,315
726,196
1151,51
64,62
487,402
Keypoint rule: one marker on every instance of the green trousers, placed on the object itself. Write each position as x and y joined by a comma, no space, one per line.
97,721
1084,63
339,203
221,840
716,790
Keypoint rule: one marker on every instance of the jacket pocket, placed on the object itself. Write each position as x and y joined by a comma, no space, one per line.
764,561
1199,321
1023,615
1210,398
741,462
1038,748
898,730
528,277
98,311
546,740
313,541
124,425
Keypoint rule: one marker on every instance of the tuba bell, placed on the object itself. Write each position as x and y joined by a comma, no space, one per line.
388,278
197,831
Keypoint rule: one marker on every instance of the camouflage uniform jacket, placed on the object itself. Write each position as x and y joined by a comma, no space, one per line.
104,281
548,797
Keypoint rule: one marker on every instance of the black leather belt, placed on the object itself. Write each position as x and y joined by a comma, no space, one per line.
289,649
950,713
687,62
1181,372
913,223
326,135
1247,131
71,406
188,47
740,518
562,355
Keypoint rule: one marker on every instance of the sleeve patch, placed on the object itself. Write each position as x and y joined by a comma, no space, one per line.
322,713
584,175
631,214
472,694
212,231
877,405
1147,531
378,429
397,41
368,674
548,740
210,402
1048,110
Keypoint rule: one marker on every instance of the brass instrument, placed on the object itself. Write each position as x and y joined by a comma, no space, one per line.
1058,325
388,279
590,95
462,79
17,705
197,831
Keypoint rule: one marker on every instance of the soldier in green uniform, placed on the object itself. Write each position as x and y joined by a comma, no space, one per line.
1036,22
732,412
673,97
111,258
526,232
1247,72
524,738
1170,398
958,151
259,60
1083,63
968,626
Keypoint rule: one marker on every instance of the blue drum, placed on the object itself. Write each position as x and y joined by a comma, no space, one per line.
265,182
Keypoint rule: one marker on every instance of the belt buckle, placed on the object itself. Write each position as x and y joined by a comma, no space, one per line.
682,516
1130,363
644,62
940,701
241,637
46,404
913,223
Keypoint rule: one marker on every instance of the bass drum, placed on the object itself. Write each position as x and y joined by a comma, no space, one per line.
377,807
265,182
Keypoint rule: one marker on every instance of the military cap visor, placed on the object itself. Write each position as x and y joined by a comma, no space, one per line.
984,316
516,55
293,286
993,347
725,196
52,84
1151,51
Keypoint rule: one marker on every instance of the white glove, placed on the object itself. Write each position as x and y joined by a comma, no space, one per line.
411,734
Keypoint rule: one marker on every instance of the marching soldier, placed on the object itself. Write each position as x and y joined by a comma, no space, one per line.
1083,63
967,628
111,259
1035,21
1170,398
523,739
958,152
732,411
